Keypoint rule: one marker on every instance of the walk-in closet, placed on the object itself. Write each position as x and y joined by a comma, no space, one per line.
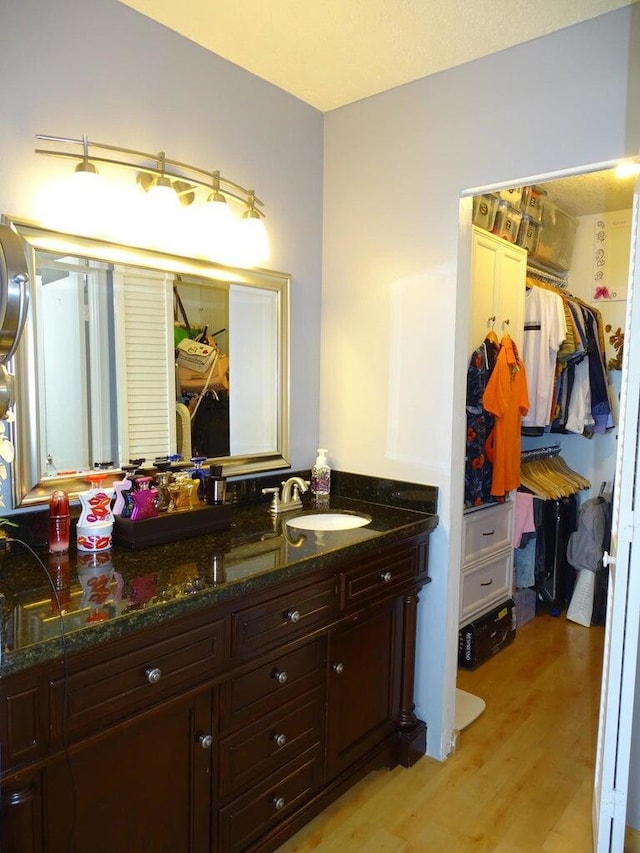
549,271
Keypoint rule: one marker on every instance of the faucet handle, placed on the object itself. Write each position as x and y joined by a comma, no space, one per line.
275,502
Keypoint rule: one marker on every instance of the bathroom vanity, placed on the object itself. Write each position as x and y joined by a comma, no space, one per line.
219,692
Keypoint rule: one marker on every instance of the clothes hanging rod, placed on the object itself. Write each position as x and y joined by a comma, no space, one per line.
546,276
540,453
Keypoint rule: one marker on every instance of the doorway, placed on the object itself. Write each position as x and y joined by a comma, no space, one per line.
602,207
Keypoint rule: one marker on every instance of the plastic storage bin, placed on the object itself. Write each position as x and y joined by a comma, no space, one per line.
533,201
507,222
513,196
484,211
557,238
529,233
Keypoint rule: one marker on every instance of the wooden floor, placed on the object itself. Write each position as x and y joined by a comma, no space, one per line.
521,778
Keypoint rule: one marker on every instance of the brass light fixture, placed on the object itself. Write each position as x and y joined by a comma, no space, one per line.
173,184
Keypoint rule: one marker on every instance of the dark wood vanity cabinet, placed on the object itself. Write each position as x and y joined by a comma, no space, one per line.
142,785
223,730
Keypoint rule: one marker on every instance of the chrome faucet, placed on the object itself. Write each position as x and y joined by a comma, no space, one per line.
290,497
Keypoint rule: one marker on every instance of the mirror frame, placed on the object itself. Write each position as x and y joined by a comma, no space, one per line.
28,486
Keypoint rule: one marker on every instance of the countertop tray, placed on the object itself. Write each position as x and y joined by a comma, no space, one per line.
171,526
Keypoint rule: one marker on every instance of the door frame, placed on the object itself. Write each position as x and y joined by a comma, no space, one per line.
464,284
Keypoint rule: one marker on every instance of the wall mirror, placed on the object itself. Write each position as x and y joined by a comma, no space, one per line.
97,381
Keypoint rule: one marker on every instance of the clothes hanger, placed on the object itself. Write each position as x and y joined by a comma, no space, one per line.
491,335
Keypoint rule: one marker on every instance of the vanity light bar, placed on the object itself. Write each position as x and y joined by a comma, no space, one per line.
184,178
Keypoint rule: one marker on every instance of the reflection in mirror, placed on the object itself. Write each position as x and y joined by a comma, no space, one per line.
130,354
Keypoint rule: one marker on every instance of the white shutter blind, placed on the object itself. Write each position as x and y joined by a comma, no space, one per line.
146,380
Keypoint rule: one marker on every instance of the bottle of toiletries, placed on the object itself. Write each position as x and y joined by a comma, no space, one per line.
321,474
144,500
215,485
59,522
120,487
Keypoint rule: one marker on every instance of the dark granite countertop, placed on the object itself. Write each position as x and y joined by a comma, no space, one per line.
107,595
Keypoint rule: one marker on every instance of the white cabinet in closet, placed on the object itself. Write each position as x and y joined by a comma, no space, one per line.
498,275
487,559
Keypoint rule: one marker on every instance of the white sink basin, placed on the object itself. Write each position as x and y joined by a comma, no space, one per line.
328,521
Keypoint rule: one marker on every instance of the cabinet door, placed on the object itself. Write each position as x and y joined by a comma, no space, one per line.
498,273
511,292
363,684
144,785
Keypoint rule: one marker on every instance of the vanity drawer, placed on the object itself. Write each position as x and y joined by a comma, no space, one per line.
268,686
260,749
378,578
485,583
277,620
270,802
109,690
487,531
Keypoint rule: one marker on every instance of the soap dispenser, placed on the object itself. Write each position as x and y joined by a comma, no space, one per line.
321,474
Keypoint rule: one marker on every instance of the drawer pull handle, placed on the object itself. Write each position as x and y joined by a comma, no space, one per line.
281,676
205,741
338,668
489,532
278,803
294,616
386,577
154,674
279,740
486,583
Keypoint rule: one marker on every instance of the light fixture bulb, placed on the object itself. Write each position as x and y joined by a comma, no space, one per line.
253,239
163,197
77,203
627,170
216,226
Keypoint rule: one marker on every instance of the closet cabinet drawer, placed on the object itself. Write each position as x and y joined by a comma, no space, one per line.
487,531
484,584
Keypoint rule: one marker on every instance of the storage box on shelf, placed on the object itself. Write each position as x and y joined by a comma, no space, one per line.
533,202
484,211
507,221
557,238
513,195
529,233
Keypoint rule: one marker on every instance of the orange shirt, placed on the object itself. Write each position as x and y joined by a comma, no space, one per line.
507,398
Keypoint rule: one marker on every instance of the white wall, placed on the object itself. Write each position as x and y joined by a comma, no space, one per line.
393,309
97,67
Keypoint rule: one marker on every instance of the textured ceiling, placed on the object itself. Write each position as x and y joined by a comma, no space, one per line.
333,52
330,53
596,192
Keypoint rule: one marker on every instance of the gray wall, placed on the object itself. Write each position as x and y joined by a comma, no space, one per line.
96,67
